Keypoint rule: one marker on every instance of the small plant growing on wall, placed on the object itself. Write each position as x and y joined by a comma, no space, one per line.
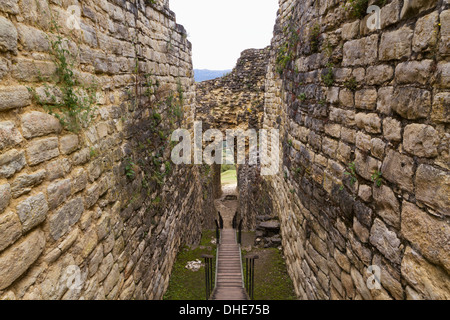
351,84
377,177
328,76
357,8
352,173
284,56
287,50
129,168
314,38
68,100
165,113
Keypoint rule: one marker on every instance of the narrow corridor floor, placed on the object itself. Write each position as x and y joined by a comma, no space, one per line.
227,205
229,284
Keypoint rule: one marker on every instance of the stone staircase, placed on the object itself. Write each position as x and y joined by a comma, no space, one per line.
229,284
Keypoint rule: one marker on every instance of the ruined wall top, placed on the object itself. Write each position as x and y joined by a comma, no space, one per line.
236,99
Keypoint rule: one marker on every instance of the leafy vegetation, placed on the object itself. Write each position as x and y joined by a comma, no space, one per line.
351,84
314,38
287,50
328,75
185,284
377,177
272,281
68,100
358,8
352,173
129,169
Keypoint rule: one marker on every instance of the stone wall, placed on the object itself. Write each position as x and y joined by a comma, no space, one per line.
341,93
236,101
99,207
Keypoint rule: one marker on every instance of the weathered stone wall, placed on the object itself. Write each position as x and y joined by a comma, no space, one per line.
341,93
236,101
87,200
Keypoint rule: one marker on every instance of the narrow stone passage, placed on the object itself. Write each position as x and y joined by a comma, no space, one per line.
227,204
229,285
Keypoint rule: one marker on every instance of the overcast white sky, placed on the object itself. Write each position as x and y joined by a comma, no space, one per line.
221,29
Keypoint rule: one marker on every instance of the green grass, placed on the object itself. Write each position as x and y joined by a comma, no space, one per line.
185,284
272,281
228,177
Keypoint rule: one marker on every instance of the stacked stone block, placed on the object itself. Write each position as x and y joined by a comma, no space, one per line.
386,111
67,207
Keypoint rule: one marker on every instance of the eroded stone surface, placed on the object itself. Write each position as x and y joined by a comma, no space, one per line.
17,259
65,217
429,281
433,188
32,211
430,235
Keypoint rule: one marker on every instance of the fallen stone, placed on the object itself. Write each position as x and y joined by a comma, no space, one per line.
194,266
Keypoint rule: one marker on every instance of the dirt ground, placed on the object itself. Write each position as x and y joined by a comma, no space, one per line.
227,208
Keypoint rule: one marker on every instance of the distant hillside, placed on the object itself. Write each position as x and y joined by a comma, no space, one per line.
204,74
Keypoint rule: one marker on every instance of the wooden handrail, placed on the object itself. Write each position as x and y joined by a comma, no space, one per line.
208,274
250,274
